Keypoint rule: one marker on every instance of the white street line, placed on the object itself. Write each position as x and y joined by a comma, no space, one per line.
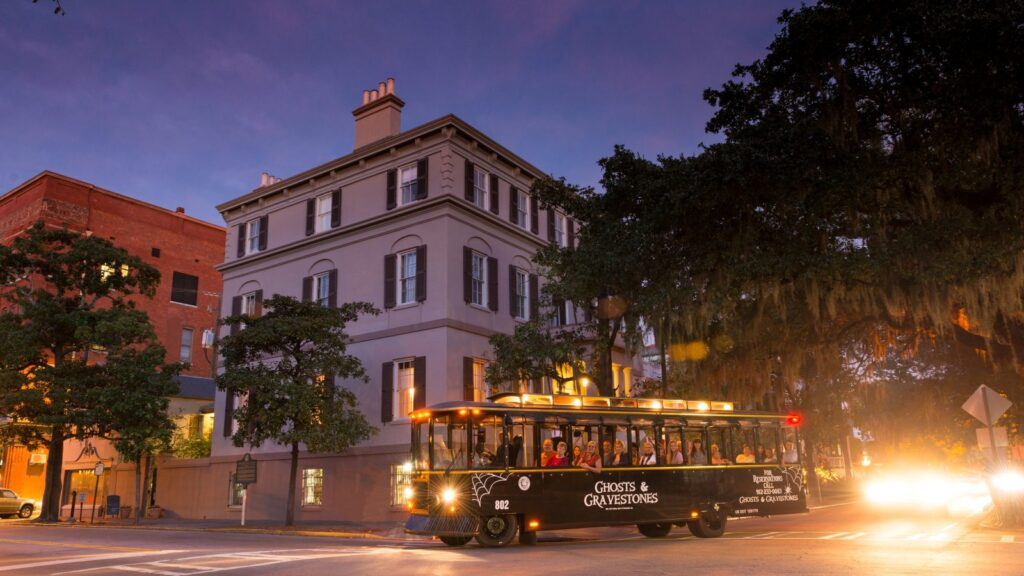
760,536
148,571
186,566
830,505
855,536
918,536
92,558
836,535
1008,538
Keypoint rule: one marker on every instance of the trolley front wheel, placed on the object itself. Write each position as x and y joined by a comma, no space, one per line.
655,530
455,540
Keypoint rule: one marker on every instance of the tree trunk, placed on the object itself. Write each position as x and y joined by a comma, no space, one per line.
138,486
146,475
662,347
289,518
50,511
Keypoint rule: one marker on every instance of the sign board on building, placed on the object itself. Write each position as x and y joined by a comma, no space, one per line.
245,471
975,405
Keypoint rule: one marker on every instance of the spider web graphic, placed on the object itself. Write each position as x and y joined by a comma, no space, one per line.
484,483
793,476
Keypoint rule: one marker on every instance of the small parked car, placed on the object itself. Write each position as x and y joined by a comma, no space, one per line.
11,505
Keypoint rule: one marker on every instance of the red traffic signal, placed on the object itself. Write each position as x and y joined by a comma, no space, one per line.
794,419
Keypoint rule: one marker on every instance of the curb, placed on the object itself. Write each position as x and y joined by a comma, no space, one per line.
232,530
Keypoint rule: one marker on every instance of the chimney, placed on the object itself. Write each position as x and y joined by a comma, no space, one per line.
380,114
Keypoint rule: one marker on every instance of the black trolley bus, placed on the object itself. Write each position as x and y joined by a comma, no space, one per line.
483,469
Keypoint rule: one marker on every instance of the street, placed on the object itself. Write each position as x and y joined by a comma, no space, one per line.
839,539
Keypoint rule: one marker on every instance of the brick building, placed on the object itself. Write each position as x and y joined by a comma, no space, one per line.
184,249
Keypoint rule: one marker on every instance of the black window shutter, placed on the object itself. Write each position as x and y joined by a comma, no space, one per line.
332,292
307,289
392,189
469,180
512,290
495,198
534,217
534,296
264,231
421,273
336,208
467,274
389,280
419,382
259,304
229,413
236,309
513,205
387,392
551,225
241,240
560,310
572,233
467,378
421,179
492,284
310,216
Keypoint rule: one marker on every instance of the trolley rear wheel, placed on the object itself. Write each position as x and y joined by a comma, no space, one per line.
655,530
497,530
709,525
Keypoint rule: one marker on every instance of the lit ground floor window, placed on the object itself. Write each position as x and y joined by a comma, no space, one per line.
312,486
401,478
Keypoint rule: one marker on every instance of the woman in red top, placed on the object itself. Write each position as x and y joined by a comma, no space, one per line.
561,458
590,459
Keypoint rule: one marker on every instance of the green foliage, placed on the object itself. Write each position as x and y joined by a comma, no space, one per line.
284,364
76,358
534,351
183,446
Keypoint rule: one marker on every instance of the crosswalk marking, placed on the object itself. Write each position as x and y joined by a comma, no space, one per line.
1007,538
79,559
836,535
855,536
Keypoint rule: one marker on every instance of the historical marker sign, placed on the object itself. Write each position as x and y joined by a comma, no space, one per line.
245,471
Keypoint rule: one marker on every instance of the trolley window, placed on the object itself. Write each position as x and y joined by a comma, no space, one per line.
450,442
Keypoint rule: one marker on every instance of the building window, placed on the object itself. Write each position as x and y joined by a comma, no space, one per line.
323,213
560,230
184,289
235,490
322,288
522,209
407,182
186,345
312,486
252,236
407,277
522,299
478,281
108,270
480,187
405,391
401,480
479,383
249,303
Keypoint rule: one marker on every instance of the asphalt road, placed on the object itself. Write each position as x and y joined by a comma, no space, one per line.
843,539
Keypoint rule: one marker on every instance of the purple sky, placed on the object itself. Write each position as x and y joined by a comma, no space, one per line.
184,103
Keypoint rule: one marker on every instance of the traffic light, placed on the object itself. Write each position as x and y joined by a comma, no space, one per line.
794,419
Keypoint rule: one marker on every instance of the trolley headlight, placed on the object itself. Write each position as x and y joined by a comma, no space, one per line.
448,495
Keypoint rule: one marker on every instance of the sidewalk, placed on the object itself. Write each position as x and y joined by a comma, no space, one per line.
363,531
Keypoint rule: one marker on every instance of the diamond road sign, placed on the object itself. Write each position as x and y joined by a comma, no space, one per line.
975,405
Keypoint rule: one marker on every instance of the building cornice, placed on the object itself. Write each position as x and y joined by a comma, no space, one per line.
384,146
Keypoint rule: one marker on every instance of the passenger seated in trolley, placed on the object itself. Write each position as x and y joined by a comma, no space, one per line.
697,455
716,456
747,457
675,455
547,451
648,459
590,459
790,456
561,458
607,455
618,457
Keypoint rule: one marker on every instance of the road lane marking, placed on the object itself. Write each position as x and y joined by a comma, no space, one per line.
1008,538
918,536
836,535
855,536
831,505
149,571
89,558
761,536
74,545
